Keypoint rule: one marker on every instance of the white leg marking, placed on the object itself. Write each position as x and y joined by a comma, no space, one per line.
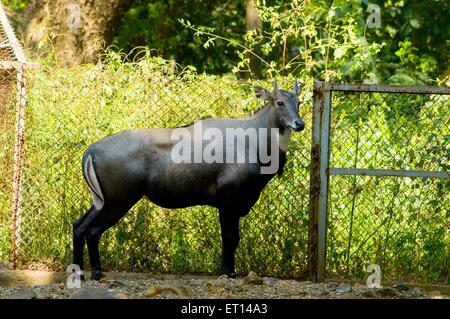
94,186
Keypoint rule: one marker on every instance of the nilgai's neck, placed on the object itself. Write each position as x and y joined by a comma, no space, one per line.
267,118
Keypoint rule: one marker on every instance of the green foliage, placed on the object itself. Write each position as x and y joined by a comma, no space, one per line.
417,29
311,39
324,39
155,24
16,5
334,43
412,68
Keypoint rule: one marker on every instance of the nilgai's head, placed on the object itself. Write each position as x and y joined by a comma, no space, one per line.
286,104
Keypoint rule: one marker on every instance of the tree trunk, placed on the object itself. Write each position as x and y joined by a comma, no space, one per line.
253,22
75,29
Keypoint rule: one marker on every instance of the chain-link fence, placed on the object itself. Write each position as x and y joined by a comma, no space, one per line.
389,181
382,152
12,104
7,125
43,192
69,109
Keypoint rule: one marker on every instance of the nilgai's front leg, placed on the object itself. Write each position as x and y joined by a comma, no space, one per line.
229,224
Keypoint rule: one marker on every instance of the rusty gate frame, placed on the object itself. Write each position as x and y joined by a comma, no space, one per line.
320,169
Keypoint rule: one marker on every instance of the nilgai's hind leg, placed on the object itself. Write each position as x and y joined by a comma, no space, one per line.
93,239
107,218
229,224
79,231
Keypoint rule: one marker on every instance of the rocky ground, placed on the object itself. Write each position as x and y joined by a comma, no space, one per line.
45,285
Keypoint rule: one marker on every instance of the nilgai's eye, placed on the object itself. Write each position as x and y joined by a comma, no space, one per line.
279,103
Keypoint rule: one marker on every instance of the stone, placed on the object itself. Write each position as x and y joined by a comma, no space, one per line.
330,285
368,293
324,292
152,291
96,293
434,295
387,292
182,291
156,290
222,282
401,287
416,292
22,293
237,289
343,289
208,286
115,283
358,286
253,279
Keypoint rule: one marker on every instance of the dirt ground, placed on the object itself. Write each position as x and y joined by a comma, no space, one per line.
27,284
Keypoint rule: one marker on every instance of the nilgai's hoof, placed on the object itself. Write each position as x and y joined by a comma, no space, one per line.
97,275
232,275
229,274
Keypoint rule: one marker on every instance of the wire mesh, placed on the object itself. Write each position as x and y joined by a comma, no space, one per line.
7,129
10,53
64,117
400,223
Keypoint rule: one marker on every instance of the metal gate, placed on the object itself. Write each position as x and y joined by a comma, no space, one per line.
379,187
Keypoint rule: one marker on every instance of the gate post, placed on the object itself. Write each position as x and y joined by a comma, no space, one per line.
318,202
16,208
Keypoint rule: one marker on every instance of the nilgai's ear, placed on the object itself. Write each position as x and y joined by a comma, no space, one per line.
262,93
297,88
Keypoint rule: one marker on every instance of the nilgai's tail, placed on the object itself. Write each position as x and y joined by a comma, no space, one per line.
91,178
